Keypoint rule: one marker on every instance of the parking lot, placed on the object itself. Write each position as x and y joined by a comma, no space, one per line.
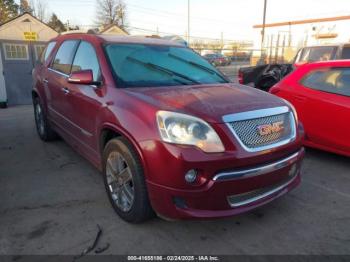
231,71
51,200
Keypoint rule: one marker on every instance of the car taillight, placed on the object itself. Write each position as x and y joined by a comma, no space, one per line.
240,78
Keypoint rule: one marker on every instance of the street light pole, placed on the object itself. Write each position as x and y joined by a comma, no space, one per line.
188,22
263,27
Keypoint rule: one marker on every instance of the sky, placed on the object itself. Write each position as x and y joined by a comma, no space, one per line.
233,19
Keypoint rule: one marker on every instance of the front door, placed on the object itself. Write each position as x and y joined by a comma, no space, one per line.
86,100
328,107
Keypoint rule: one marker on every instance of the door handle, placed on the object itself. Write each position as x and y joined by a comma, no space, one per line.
65,90
46,81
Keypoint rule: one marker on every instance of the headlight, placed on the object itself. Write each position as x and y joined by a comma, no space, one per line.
183,129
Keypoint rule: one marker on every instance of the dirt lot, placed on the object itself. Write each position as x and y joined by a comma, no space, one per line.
51,200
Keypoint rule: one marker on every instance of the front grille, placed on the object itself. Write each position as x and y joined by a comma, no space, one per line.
258,194
247,131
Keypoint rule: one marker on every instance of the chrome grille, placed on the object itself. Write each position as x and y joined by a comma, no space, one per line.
248,133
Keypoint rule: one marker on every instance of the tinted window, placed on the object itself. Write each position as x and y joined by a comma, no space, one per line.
47,52
346,52
331,80
86,58
64,56
139,65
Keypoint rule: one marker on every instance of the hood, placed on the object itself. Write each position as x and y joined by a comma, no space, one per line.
209,102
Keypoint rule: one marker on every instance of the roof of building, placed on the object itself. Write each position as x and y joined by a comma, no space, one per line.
108,27
306,21
25,14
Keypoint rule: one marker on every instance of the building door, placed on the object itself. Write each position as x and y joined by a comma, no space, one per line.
3,97
18,65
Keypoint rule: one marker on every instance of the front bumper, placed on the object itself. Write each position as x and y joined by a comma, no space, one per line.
229,193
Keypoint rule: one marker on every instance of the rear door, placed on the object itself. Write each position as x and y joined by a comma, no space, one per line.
326,107
56,81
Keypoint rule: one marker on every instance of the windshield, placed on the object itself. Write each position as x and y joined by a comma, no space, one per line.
139,65
313,54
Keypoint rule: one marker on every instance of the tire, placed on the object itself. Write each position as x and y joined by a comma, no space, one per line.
3,104
43,128
124,182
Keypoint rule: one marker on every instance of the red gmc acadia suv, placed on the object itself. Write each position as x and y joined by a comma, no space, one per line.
169,132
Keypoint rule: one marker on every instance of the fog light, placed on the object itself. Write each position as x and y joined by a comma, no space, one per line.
293,170
191,176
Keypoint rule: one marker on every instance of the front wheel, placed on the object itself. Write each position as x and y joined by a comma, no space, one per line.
124,181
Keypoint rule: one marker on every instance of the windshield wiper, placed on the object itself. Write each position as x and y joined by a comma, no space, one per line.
163,69
199,66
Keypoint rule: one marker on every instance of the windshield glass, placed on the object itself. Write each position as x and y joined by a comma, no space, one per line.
313,54
139,65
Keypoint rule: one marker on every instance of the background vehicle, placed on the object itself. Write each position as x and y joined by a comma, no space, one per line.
320,92
217,59
322,53
265,76
170,134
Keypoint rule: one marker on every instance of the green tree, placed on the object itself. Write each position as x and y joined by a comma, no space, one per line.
24,7
56,23
8,10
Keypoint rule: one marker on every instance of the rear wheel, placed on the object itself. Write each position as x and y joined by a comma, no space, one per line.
124,182
43,127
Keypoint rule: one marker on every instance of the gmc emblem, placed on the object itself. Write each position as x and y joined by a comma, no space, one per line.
269,129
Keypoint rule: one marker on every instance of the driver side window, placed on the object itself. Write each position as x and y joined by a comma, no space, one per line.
85,59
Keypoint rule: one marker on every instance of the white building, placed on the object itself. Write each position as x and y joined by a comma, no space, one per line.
22,40
283,39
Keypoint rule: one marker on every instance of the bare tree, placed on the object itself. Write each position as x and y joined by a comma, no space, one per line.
111,12
40,9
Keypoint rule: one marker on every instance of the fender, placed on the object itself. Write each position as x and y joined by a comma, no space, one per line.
124,133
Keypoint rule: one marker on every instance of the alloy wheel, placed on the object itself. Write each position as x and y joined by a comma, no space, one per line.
120,182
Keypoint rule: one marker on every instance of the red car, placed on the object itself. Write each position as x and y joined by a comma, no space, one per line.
320,92
170,134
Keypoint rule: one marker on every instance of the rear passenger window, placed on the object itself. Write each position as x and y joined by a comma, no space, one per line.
64,57
330,80
346,52
47,51
85,59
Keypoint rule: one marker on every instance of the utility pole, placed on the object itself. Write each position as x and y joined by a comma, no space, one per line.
67,25
188,22
263,27
222,40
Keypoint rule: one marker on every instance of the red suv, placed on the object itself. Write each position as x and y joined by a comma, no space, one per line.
169,132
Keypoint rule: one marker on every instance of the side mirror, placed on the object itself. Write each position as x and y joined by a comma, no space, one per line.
83,77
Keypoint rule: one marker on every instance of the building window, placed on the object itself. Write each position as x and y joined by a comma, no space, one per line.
16,52
38,51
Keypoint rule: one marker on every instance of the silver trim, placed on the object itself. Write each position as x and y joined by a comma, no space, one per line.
83,131
58,72
258,114
259,197
255,114
245,173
